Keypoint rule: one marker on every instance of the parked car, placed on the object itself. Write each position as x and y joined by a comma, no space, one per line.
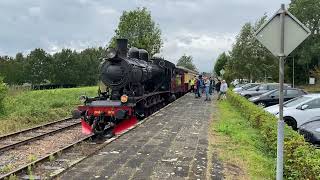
239,85
245,87
272,97
299,110
261,89
311,131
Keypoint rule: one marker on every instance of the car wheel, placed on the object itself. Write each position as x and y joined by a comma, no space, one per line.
262,104
247,96
291,122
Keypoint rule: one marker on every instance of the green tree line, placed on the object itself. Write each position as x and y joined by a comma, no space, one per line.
40,67
80,68
248,59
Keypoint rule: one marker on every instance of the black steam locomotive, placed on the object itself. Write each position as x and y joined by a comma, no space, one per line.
133,87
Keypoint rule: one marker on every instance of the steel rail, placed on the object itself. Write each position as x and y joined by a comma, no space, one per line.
25,167
20,143
33,128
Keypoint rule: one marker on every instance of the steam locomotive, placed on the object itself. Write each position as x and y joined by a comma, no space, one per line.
132,87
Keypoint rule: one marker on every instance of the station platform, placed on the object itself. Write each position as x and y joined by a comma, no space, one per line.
171,144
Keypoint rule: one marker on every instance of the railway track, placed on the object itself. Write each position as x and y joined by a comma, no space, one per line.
20,138
55,163
24,147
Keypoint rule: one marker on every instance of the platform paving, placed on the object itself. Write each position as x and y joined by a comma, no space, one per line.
172,144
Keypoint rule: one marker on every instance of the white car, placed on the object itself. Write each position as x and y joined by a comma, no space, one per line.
245,87
298,110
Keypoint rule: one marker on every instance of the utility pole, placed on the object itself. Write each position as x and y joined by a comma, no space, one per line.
293,71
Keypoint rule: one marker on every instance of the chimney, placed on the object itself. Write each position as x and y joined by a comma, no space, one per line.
122,47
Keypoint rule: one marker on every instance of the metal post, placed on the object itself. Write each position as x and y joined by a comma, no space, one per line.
281,80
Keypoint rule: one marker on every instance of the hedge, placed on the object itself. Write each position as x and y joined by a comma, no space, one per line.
301,159
3,93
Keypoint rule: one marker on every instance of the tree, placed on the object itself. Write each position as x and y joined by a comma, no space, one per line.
316,73
220,63
141,31
89,63
248,58
307,55
66,68
187,62
38,66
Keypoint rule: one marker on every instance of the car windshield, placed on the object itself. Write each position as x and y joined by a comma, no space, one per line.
253,88
248,86
296,101
271,93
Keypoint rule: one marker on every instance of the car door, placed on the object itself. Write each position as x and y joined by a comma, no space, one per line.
273,98
304,115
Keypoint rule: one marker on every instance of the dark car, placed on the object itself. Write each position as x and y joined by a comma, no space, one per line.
311,131
261,89
272,97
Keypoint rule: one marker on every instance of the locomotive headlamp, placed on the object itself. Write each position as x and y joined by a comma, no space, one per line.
111,53
83,98
124,98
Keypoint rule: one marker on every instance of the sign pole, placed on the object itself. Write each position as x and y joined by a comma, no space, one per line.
280,142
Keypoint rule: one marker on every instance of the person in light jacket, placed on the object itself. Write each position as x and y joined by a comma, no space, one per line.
207,88
223,89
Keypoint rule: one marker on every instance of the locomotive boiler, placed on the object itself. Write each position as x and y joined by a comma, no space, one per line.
133,73
134,86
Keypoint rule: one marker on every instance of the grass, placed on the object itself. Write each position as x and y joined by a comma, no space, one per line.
30,108
241,145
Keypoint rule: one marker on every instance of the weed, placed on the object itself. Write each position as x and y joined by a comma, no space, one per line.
6,168
30,173
32,158
13,177
51,158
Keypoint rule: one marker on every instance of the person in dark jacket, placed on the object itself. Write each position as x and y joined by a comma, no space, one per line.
218,86
212,84
200,86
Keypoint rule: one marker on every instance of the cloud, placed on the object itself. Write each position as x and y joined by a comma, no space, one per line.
200,28
204,48
34,11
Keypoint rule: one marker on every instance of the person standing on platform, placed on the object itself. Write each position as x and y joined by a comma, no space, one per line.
218,86
192,84
195,87
211,86
207,88
223,90
199,86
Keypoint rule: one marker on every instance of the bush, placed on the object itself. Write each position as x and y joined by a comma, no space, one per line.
3,93
301,160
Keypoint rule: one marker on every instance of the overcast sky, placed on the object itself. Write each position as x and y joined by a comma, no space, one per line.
201,28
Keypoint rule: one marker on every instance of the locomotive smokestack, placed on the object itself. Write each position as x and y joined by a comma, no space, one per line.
122,47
